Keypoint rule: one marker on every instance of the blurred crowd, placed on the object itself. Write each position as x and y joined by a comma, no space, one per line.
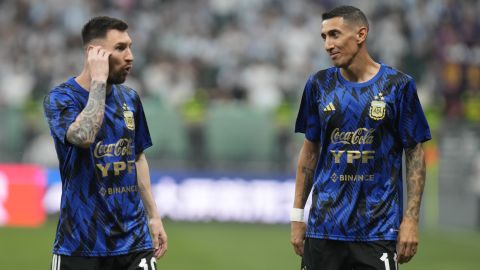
190,54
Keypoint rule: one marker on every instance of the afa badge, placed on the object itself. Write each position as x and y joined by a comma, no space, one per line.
128,117
377,108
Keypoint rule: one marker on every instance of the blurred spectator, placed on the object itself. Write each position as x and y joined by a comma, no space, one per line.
261,81
284,114
193,112
472,94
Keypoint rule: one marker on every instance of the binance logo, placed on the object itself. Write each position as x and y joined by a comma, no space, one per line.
329,108
334,177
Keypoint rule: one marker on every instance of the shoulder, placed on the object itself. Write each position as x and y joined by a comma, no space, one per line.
60,94
128,92
325,75
398,77
323,81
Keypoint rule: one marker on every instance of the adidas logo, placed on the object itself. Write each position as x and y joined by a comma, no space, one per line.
329,108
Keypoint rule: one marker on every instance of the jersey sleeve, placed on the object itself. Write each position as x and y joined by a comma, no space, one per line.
60,112
308,119
142,134
412,125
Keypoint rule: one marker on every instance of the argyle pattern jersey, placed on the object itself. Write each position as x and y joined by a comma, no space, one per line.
362,130
102,213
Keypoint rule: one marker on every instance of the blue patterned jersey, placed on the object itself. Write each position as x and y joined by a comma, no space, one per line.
362,129
101,213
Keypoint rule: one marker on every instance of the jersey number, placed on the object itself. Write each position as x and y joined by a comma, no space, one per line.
385,260
144,265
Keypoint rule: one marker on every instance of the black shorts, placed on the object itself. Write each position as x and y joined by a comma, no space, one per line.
342,255
143,260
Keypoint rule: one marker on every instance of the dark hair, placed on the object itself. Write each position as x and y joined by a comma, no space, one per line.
97,27
349,13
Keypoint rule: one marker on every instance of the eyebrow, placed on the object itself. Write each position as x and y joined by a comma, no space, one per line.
330,32
125,43
333,31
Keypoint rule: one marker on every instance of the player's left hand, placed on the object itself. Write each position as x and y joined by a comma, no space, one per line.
159,237
297,236
407,241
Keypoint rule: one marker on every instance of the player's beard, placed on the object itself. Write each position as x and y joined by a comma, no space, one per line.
116,78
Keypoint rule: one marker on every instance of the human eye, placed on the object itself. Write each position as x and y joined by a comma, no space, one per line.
120,47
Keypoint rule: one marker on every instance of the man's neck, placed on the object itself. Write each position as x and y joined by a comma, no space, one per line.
84,80
362,69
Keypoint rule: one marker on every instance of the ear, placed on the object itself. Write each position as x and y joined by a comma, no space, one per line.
362,34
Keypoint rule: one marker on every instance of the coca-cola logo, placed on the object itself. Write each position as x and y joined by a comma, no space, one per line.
359,136
121,148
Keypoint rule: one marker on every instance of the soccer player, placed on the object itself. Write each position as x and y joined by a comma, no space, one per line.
358,117
108,217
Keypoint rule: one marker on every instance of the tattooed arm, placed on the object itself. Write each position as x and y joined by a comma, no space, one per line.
307,163
408,235
415,159
83,130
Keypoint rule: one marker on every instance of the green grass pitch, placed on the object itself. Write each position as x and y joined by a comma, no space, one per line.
228,246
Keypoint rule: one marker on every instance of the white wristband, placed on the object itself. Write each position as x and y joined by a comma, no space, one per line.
296,215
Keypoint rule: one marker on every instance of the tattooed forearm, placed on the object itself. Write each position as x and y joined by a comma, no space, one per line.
83,131
307,163
307,183
415,161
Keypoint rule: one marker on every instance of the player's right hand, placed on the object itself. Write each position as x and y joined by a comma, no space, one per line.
297,236
98,61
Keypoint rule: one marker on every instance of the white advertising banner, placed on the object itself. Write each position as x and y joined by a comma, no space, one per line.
210,198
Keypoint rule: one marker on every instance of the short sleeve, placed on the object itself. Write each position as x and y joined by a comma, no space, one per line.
308,119
60,112
142,134
412,125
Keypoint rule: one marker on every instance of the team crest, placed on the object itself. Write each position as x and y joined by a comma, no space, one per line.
128,117
377,108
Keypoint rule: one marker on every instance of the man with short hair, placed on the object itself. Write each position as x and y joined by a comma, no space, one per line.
108,217
358,117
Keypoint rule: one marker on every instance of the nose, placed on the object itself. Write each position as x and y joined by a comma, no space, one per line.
129,55
328,45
